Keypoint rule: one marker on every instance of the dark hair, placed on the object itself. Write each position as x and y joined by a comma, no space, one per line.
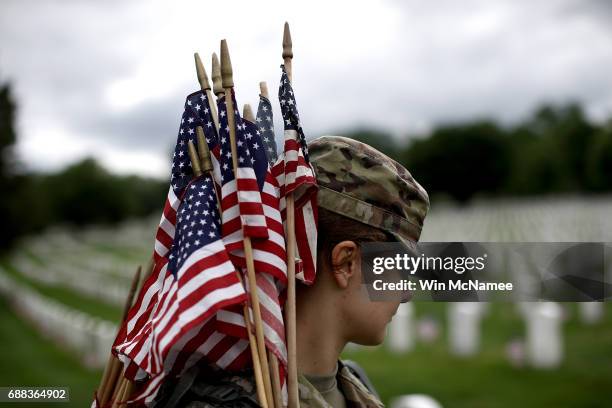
334,228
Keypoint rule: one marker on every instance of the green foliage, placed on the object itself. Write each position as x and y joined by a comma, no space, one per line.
86,193
556,150
9,183
599,161
83,193
460,159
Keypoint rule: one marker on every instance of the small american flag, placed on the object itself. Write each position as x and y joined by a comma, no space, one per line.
269,256
199,280
240,193
252,202
196,113
265,125
268,252
296,176
172,324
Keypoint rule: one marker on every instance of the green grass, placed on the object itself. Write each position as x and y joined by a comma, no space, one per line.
66,296
26,359
488,380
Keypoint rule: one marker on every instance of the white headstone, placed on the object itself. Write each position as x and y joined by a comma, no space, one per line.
400,337
544,339
464,327
415,401
591,312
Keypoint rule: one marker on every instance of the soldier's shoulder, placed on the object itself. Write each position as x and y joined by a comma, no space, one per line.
356,386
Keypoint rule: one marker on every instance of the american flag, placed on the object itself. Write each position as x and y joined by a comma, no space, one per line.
199,280
296,176
268,253
172,324
251,201
196,113
265,124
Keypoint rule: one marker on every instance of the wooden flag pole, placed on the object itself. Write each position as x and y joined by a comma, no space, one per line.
206,166
205,85
247,113
228,84
113,366
290,308
261,392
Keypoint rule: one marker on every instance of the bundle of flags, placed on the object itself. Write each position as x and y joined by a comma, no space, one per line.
190,308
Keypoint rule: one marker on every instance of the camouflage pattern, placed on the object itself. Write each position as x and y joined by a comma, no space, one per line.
355,392
202,388
359,182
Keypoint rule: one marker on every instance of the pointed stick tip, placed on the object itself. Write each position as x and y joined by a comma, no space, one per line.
287,43
201,72
247,113
226,66
203,151
263,89
216,75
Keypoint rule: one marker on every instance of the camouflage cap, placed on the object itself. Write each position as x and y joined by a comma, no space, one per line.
359,182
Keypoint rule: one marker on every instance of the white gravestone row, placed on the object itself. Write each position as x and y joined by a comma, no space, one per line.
84,257
109,289
543,324
539,220
88,337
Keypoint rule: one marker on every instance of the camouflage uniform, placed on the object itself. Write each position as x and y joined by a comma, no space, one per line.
207,388
354,391
358,182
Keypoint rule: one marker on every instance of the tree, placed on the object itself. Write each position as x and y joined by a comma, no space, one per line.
460,160
9,185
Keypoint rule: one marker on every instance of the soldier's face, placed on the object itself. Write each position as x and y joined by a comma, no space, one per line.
366,320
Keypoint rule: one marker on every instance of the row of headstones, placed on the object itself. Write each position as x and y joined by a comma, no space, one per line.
541,348
92,263
135,235
109,289
533,220
84,256
86,336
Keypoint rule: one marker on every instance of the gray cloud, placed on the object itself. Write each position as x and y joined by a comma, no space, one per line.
115,74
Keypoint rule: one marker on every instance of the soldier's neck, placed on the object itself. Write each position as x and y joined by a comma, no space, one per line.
320,339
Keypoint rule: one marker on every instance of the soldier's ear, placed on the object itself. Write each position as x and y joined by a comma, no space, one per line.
344,258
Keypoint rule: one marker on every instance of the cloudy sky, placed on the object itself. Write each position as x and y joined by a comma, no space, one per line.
109,78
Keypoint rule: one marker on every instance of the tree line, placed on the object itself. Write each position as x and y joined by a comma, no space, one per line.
555,150
82,193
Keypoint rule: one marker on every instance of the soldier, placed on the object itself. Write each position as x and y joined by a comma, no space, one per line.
364,196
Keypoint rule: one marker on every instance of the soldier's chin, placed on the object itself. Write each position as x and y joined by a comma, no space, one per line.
371,339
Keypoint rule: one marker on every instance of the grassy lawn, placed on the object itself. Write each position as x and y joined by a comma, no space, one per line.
26,359
488,380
